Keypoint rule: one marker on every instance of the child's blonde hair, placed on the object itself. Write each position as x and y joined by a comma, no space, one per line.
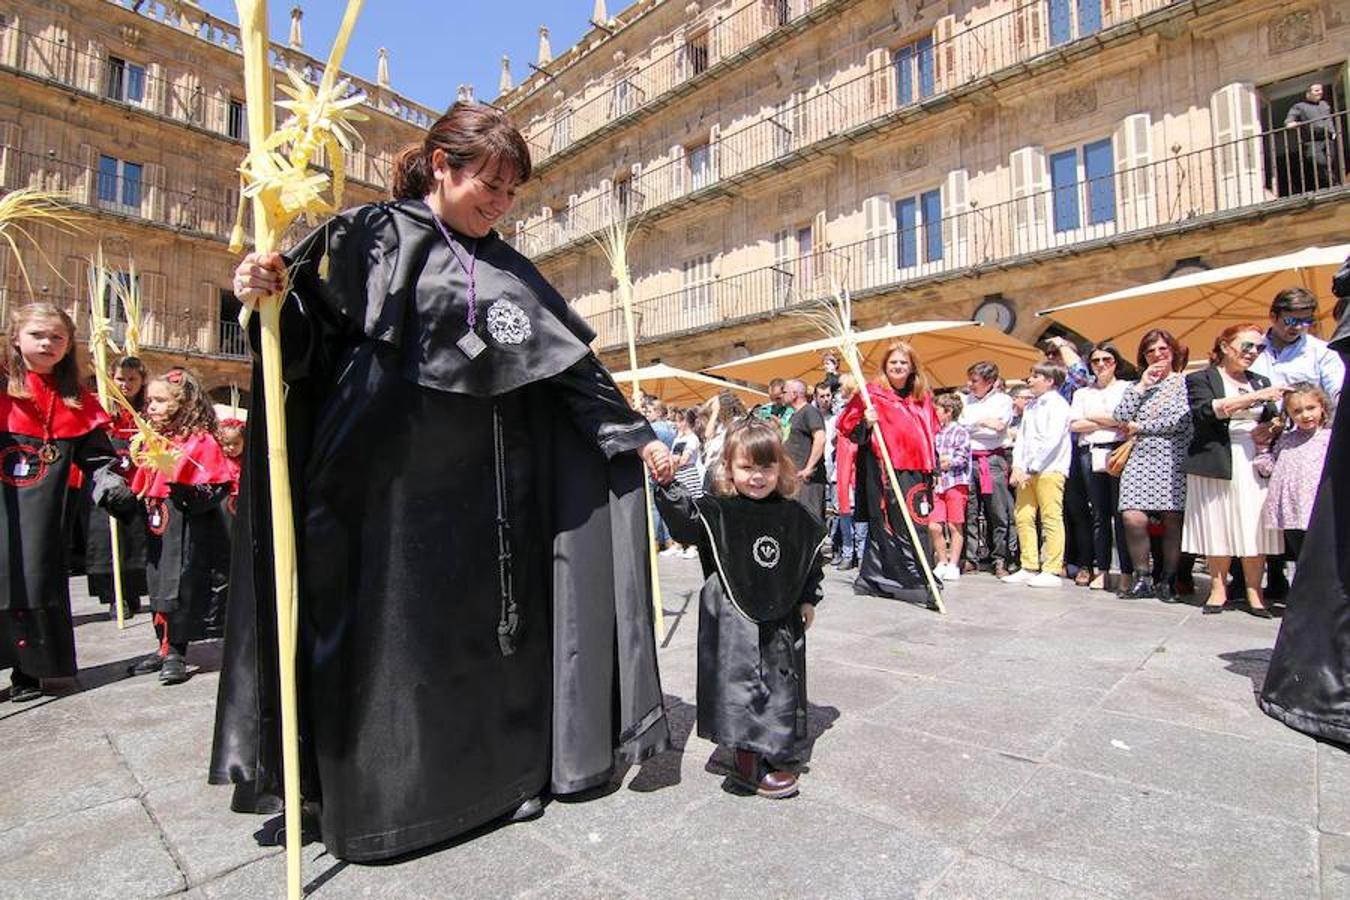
195,411
1307,388
762,442
66,373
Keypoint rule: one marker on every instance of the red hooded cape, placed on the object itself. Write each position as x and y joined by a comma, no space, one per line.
908,425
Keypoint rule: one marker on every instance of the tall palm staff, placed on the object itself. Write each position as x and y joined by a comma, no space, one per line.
834,317
614,243
277,177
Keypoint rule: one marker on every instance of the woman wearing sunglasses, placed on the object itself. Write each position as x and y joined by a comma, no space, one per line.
1224,495
1099,433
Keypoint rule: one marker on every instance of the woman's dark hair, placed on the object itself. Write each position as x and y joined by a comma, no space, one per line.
1226,337
1125,369
467,133
66,373
134,364
762,441
1180,355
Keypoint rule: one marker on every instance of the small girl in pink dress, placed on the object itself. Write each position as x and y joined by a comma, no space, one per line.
1293,463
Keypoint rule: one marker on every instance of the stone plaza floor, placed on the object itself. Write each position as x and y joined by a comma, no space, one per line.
1042,744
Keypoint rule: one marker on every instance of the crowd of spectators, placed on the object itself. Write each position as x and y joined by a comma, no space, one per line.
1115,473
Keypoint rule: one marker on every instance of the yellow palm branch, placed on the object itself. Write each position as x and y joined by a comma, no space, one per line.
28,208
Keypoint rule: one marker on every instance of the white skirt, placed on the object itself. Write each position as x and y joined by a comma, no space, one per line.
1223,518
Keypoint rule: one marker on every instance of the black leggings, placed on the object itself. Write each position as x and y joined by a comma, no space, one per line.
1107,525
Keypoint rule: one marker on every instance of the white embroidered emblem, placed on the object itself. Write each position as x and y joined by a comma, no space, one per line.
507,323
765,551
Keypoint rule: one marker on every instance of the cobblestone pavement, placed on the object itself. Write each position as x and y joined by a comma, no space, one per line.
1046,744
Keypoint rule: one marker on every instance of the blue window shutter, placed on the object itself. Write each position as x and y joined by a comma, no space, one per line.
131,184
1064,189
927,79
1061,22
932,225
1089,17
135,84
107,179
904,73
1099,169
907,233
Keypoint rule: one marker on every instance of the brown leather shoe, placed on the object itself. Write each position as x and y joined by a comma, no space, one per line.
1000,569
754,775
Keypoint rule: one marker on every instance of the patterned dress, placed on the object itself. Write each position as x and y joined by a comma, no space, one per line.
1153,479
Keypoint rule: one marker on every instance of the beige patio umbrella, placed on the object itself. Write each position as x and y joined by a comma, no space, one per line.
679,387
945,350
1198,306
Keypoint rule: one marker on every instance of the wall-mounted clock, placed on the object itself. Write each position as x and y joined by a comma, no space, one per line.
997,313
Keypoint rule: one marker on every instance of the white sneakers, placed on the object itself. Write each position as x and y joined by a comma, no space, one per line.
690,552
1033,579
672,550
947,572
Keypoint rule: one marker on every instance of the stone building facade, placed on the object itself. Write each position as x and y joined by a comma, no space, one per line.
136,110
949,159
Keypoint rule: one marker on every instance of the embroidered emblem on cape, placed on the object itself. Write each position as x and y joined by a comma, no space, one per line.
766,551
157,516
507,323
21,466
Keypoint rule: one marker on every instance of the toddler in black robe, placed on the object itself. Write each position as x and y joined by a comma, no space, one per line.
755,607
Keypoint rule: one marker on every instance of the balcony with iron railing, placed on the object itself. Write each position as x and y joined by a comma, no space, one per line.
164,328
943,71
707,52
133,192
1252,176
137,88
225,35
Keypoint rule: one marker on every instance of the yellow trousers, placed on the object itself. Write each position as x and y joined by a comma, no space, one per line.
1044,494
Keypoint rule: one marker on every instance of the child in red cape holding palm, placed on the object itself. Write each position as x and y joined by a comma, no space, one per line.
905,416
189,546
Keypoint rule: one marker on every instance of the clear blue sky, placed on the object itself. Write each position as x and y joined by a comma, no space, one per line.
435,47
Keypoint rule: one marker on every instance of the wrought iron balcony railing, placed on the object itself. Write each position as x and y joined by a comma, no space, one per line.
133,190
147,88
168,325
1263,172
891,87
629,90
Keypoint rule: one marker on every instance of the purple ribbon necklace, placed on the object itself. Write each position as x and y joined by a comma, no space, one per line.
471,344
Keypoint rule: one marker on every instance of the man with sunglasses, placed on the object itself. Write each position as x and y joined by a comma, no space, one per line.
1292,353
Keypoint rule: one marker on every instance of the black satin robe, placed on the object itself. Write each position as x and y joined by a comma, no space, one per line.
751,674
419,723
890,566
1307,686
131,540
36,630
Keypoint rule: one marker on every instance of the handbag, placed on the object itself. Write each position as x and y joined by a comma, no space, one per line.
1115,463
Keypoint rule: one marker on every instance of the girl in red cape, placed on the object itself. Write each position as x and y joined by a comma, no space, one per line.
49,425
189,545
906,417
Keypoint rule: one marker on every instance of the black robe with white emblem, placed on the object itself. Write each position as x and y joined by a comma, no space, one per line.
474,591
1307,686
751,643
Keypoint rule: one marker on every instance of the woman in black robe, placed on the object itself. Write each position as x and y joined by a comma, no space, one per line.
476,622
1307,686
